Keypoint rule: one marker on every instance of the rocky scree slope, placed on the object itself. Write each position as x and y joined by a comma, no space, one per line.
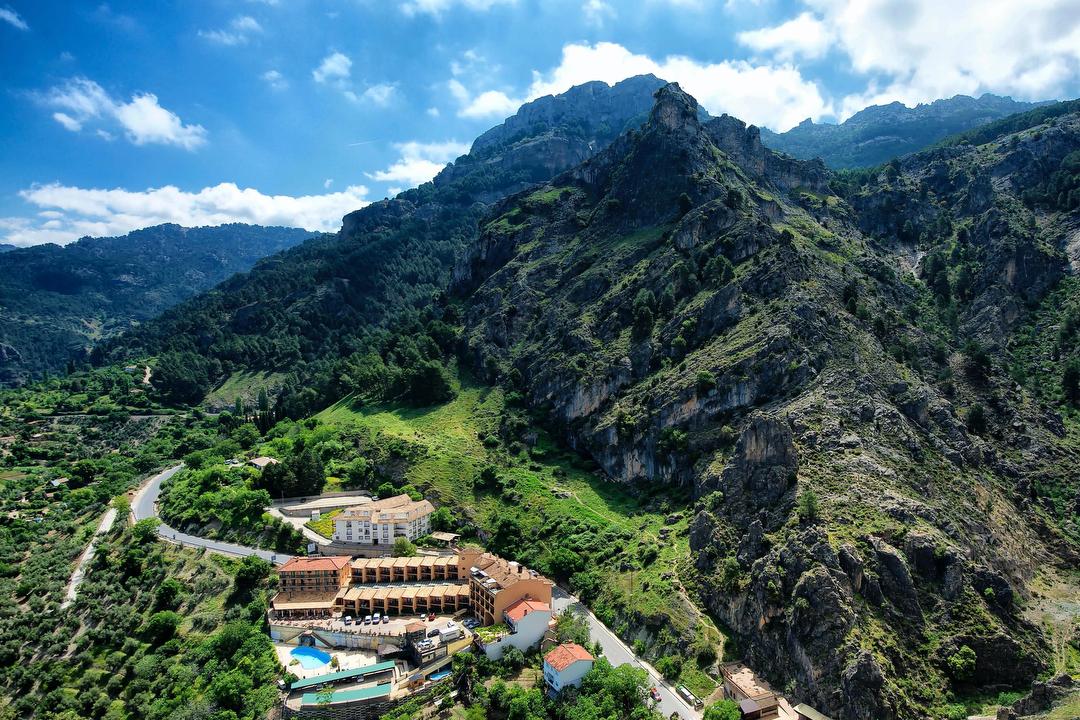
690,308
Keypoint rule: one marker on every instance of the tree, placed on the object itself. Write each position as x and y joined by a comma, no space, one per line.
442,519
670,666
976,419
808,506
961,664
309,473
246,435
386,490
403,548
1070,382
426,383
168,594
723,710
161,626
979,363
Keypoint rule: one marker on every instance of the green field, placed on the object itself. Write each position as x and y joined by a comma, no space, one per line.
553,488
325,524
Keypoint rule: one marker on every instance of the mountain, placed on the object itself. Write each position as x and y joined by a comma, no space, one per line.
58,301
305,309
867,384
881,132
860,391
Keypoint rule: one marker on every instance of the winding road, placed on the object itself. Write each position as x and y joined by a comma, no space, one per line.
617,653
144,506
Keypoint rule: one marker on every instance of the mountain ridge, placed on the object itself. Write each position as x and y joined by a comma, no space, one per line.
878,133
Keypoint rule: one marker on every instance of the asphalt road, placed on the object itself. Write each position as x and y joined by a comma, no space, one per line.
144,506
617,653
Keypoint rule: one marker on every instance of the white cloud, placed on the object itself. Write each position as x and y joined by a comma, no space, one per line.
438,7
433,112
67,121
597,11
381,94
12,18
488,104
81,101
335,67
240,30
922,50
72,212
327,183
804,35
419,162
777,96
275,80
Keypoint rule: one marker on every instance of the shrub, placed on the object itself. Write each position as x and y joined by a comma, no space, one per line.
961,664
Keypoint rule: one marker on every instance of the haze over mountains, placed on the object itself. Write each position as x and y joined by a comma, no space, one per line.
57,302
881,132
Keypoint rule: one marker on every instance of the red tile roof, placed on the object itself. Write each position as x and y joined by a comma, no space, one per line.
300,564
525,606
566,655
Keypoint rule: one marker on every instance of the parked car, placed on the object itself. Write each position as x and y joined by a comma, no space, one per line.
385,619
347,620
431,617
654,693
367,619
376,618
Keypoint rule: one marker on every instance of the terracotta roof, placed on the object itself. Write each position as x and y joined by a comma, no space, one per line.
566,655
399,507
525,606
262,461
495,573
302,564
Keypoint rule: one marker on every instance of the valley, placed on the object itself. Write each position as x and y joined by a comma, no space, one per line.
736,405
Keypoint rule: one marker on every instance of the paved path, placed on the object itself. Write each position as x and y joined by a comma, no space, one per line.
144,505
103,527
617,653
300,523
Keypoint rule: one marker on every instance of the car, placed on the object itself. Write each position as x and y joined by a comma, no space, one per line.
654,693
348,620
431,617
376,619
385,619
367,619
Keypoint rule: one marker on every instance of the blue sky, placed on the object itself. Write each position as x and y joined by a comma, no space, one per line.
125,114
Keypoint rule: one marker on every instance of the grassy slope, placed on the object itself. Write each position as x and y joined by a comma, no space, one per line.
552,484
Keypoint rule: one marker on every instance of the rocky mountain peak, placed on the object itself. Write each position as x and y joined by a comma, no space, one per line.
675,110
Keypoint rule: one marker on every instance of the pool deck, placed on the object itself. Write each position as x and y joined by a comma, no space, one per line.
347,660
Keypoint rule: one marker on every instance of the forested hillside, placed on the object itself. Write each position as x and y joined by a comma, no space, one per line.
857,391
881,132
308,310
57,302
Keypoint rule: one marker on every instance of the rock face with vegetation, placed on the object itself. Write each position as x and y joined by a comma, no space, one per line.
878,133
59,301
850,372
309,309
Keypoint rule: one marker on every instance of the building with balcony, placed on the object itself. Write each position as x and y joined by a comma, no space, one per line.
308,586
383,521
526,623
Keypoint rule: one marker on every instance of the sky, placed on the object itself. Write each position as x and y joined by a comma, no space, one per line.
120,115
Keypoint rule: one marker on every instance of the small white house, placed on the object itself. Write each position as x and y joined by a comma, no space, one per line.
527,620
566,665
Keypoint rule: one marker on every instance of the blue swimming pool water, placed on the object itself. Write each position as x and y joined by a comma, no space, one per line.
310,658
439,676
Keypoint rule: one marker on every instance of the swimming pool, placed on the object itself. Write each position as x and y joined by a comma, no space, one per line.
310,658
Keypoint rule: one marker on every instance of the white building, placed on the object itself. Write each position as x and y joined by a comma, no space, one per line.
382,521
566,665
527,621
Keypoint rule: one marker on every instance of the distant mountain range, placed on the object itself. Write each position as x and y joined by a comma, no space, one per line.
881,132
55,302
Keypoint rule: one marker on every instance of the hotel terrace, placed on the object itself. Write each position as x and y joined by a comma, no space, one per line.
320,586
380,522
